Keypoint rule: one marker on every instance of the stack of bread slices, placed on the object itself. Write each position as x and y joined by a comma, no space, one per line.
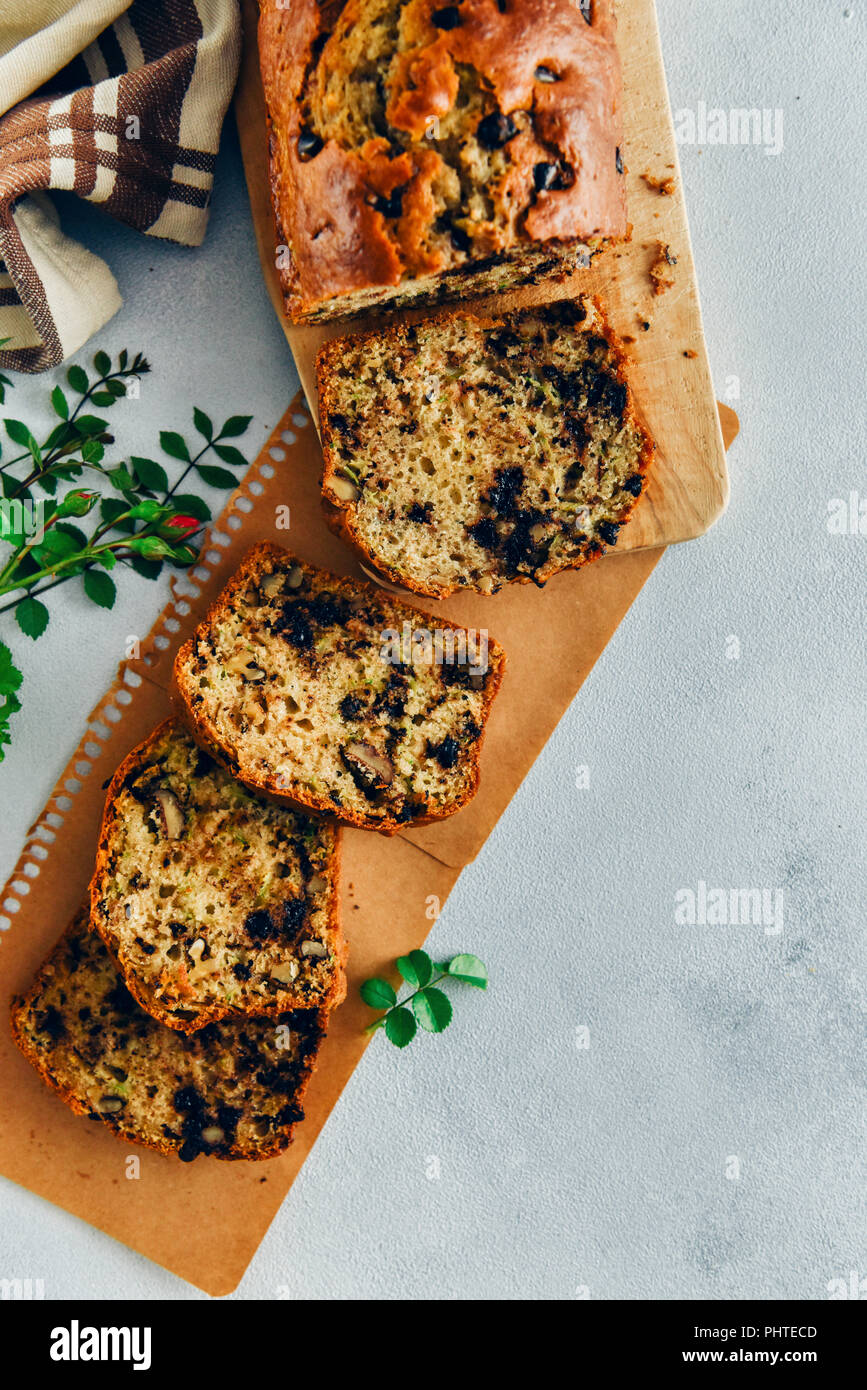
186,1004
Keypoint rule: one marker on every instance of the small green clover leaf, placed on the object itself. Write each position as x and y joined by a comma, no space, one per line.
426,1007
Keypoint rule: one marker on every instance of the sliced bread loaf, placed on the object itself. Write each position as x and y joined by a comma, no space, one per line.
462,453
327,692
214,903
232,1090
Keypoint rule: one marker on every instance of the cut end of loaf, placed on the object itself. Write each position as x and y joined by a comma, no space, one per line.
517,268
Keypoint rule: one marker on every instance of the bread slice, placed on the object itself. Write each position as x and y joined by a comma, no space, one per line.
214,903
336,697
233,1090
464,453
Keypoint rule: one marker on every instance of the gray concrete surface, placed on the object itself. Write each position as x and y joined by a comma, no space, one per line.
706,1143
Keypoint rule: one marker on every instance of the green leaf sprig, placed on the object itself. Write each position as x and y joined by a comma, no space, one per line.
426,1006
136,516
10,684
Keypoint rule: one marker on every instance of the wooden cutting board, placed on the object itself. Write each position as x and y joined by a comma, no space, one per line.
688,489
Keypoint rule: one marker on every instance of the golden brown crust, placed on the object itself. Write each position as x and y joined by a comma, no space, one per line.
340,514
339,242
40,1061
207,736
282,1002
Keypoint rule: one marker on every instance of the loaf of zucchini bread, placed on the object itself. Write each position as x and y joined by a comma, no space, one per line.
327,692
214,903
422,151
462,453
232,1090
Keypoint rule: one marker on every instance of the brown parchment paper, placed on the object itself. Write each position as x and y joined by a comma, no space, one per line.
204,1221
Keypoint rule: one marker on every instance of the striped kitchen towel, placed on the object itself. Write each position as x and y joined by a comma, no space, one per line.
121,103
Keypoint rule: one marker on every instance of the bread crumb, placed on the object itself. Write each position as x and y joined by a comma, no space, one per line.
659,271
664,184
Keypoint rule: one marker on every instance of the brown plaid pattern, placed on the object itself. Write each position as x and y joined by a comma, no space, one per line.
133,123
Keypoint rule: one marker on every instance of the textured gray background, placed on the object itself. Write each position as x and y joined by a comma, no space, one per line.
601,1169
